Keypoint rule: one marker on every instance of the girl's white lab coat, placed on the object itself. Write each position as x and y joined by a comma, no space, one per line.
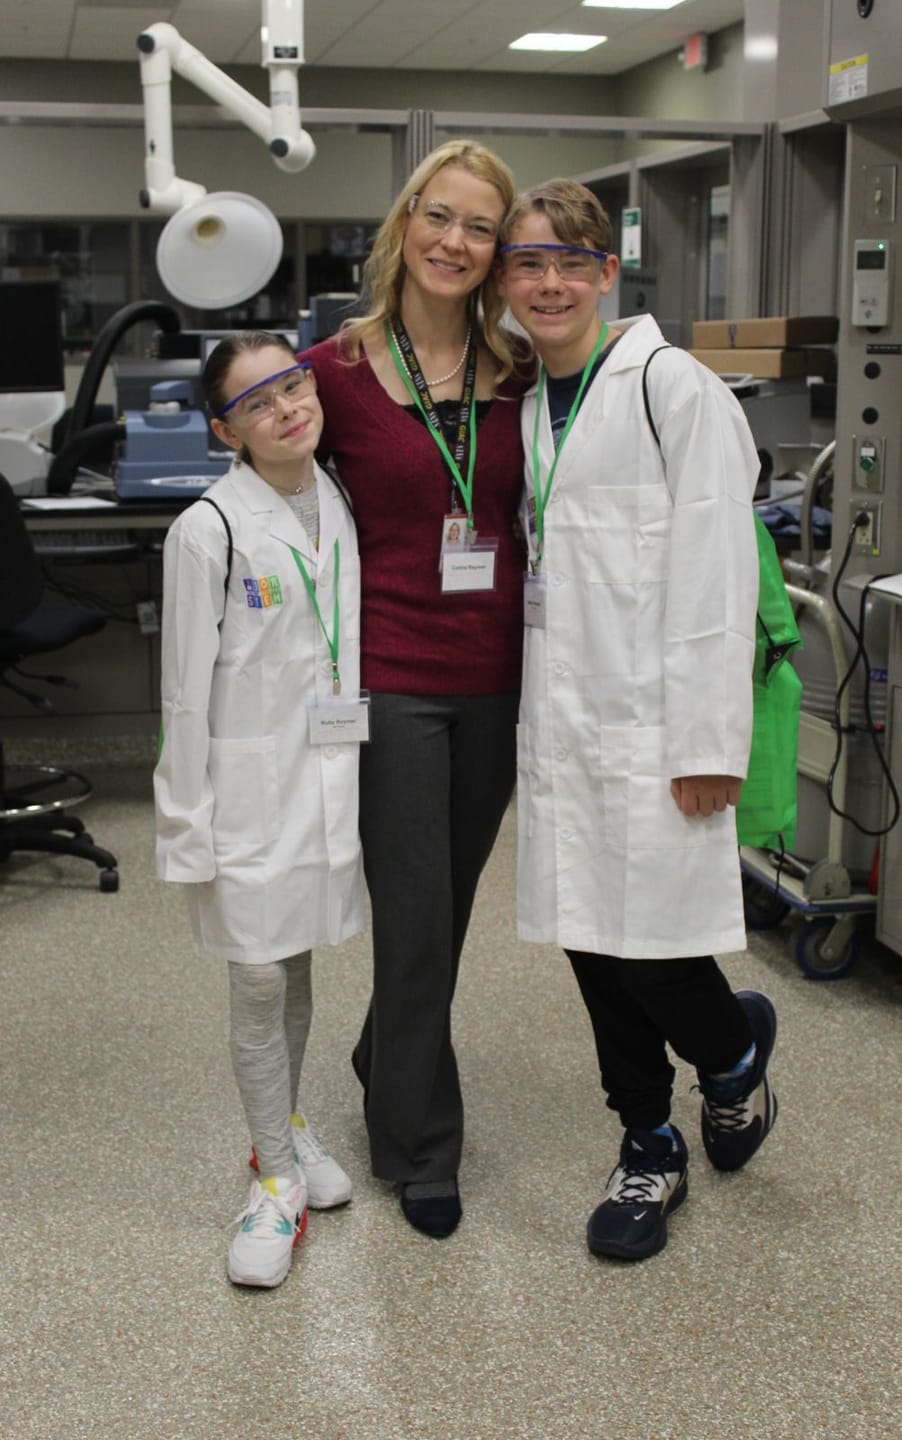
259,822
644,670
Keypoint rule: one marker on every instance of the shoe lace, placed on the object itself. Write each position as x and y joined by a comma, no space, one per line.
636,1182
310,1150
267,1214
728,1114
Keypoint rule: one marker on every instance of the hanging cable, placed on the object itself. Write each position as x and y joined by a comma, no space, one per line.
861,654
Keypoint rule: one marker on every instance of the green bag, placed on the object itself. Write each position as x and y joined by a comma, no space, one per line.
767,811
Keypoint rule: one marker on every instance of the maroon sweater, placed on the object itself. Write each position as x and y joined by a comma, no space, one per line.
414,639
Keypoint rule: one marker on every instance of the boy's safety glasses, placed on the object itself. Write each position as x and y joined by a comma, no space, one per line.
259,401
531,262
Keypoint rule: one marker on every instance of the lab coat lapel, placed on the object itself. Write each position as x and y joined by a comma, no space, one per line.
332,509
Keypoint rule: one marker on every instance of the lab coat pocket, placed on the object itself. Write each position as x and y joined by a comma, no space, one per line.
640,813
627,533
244,777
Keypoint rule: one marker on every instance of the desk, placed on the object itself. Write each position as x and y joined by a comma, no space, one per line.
108,556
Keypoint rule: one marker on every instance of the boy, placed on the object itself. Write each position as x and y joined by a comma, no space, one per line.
637,706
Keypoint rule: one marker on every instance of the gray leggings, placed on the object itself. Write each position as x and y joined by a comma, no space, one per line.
271,1007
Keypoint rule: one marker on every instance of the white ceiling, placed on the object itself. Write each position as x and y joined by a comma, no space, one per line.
390,34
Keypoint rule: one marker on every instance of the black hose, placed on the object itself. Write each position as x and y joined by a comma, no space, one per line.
168,319
65,462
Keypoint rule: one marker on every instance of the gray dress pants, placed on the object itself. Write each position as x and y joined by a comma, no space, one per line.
435,781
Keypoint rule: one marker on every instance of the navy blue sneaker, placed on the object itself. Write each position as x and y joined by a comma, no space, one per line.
737,1115
649,1182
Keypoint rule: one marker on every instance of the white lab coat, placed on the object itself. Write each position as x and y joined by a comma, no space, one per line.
260,823
644,670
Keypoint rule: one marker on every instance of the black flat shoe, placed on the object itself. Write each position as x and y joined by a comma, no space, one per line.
434,1214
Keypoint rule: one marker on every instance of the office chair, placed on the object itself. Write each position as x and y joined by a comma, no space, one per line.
33,799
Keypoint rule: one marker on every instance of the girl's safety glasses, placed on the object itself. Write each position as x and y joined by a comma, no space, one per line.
259,401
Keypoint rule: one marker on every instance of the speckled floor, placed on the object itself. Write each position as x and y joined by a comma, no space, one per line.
772,1314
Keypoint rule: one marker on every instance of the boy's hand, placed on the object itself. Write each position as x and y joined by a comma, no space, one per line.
703,794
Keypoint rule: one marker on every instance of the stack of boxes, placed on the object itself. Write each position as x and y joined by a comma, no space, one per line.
775,347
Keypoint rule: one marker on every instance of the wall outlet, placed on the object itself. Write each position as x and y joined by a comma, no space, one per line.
867,535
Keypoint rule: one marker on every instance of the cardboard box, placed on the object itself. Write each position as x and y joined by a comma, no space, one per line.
774,331
768,364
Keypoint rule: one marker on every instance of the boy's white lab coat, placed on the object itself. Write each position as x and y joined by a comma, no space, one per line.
644,670
260,823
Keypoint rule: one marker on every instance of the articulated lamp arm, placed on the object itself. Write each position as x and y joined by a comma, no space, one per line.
163,49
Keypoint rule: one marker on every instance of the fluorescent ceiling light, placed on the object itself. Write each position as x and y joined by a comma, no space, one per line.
633,4
761,47
540,41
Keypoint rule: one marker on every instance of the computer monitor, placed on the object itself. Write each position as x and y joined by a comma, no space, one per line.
31,331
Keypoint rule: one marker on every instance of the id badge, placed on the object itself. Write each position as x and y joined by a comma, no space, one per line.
340,719
455,535
469,569
534,601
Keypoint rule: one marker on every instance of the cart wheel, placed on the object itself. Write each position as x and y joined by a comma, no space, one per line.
763,907
809,952
109,880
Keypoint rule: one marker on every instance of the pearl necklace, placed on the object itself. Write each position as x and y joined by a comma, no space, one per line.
451,373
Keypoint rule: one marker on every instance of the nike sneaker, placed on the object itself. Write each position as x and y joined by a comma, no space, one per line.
327,1183
738,1114
271,1226
643,1189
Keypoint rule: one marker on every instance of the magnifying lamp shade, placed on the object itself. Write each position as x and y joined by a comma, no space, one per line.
219,250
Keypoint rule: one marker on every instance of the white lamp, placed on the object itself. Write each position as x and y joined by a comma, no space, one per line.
219,250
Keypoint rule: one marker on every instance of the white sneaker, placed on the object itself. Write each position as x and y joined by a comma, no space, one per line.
273,1223
327,1183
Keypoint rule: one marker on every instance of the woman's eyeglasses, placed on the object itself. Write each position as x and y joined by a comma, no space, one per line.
572,262
260,400
438,217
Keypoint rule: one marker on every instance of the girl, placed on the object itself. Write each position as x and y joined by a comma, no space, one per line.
256,784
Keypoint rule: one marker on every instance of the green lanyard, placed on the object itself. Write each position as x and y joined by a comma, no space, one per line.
311,591
464,486
542,492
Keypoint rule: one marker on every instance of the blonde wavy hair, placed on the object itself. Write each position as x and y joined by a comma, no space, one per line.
384,271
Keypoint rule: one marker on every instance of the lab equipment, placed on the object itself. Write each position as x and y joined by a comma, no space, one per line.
165,454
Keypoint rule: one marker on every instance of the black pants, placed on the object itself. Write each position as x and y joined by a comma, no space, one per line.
638,1007
435,781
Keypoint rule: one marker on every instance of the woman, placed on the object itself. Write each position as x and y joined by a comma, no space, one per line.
441,633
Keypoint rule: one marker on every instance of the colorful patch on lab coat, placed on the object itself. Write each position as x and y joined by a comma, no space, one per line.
262,592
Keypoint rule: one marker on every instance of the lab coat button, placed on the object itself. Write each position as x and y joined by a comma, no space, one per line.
565,832
559,668
561,752
331,751
557,579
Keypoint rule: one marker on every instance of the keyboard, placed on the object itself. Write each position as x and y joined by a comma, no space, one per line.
94,544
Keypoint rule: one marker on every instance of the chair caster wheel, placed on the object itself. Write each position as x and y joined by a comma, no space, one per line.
109,880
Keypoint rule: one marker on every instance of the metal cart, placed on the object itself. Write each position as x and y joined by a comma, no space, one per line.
821,892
